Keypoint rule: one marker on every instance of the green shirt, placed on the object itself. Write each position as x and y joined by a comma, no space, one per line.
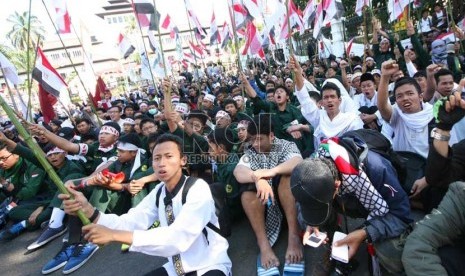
95,155
27,178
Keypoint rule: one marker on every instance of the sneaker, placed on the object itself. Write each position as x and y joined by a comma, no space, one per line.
60,259
11,233
48,235
81,255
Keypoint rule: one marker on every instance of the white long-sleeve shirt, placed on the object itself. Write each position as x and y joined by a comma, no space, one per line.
184,236
318,118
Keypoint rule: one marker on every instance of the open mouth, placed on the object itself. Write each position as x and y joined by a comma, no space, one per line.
407,105
330,105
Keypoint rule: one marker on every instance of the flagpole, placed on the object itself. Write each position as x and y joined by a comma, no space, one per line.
289,38
191,31
236,43
145,48
161,45
29,100
28,61
40,155
72,64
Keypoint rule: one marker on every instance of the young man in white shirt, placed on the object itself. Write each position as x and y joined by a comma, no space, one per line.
180,239
329,122
409,116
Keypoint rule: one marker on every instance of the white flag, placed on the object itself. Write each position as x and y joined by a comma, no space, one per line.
10,71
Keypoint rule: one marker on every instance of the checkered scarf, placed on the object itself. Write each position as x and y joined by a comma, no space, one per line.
354,178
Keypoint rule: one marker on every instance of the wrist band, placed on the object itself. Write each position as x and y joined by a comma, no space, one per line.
94,215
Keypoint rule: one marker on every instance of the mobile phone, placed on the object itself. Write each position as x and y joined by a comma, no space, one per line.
314,240
340,253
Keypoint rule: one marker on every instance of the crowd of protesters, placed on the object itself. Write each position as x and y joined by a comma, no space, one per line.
280,141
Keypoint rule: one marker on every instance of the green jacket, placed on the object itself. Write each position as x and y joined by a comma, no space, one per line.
96,156
27,178
444,226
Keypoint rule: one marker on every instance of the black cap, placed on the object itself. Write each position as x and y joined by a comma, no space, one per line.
313,186
56,122
367,77
66,132
131,138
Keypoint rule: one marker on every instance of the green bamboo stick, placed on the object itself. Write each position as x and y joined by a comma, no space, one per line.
40,155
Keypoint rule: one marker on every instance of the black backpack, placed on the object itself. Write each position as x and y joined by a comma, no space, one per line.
221,206
404,163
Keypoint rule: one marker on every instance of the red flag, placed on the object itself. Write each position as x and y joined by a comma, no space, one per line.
253,43
47,101
100,89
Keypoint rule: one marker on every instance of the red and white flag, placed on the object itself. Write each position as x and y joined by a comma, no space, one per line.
168,24
195,20
196,48
62,19
294,18
349,46
50,85
333,9
359,6
318,19
253,43
309,14
100,89
146,14
225,35
396,8
447,37
125,46
215,37
253,8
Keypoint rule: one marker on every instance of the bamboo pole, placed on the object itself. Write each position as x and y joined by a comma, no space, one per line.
40,155
161,45
28,69
236,43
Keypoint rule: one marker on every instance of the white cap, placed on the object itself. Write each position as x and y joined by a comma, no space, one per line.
210,98
129,121
215,85
220,114
182,108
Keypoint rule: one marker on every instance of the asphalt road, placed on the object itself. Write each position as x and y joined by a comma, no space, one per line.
14,259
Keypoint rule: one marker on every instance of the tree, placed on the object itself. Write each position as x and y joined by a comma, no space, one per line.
19,31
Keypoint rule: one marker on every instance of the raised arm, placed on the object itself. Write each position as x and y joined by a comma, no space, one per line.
430,81
388,68
62,143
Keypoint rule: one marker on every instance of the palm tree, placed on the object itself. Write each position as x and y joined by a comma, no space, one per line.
19,31
6,51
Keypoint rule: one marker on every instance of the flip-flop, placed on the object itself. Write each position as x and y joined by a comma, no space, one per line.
294,269
273,271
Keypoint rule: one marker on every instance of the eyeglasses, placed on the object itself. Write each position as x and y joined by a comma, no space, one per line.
3,159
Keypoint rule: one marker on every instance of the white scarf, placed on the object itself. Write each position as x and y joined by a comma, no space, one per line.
418,121
341,122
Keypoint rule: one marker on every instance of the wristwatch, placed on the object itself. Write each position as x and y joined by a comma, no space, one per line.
5,185
438,136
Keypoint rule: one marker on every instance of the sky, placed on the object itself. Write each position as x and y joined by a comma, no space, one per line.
84,10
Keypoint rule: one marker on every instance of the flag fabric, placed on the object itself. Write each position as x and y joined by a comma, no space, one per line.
225,35
241,17
333,9
168,24
294,18
125,46
50,85
253,9
215,37
10,70
62,19
146,14
318,19
196,49
359,6
200,32
145,71
309,14
349,46
396,8
253,43
447,37
100,88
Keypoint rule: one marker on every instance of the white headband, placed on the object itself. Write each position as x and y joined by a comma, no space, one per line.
55,150
127,146
110,130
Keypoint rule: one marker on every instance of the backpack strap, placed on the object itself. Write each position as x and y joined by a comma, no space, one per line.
157,200
189,183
